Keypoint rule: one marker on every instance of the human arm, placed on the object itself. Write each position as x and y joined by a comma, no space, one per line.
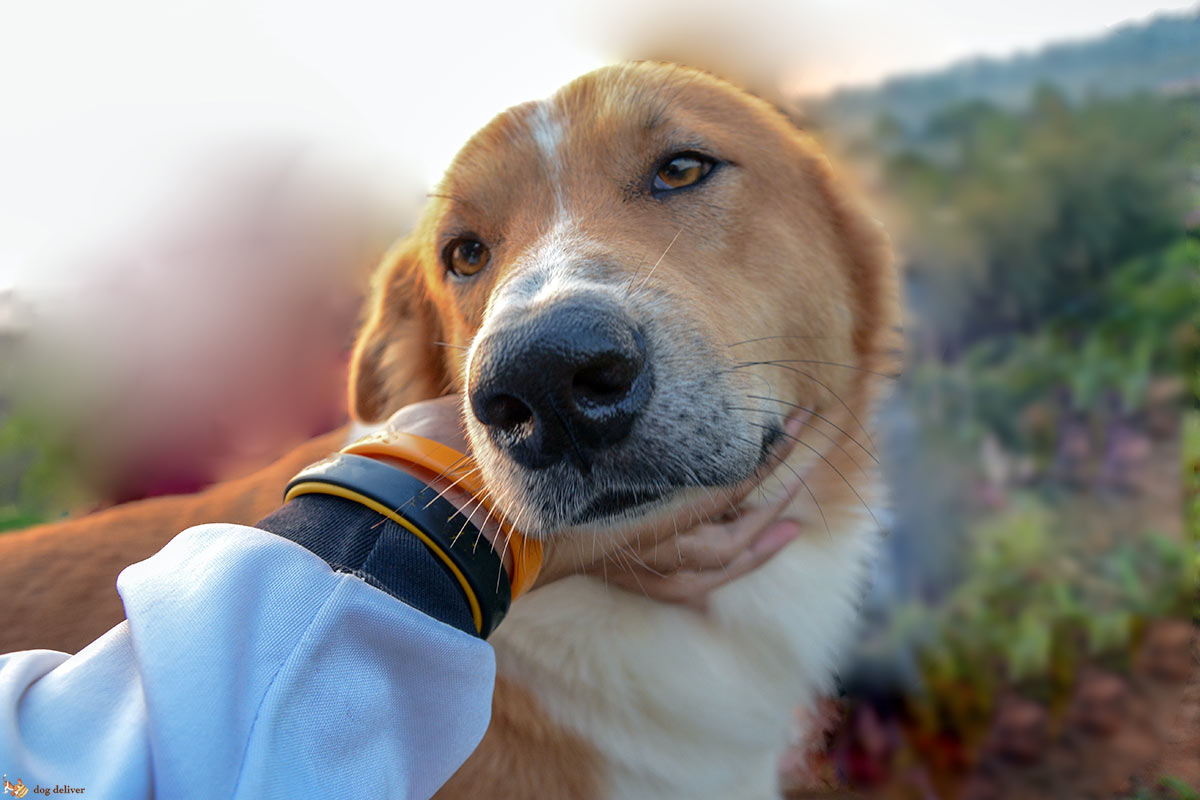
250,668
164,698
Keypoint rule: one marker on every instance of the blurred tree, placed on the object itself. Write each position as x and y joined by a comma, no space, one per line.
1013,219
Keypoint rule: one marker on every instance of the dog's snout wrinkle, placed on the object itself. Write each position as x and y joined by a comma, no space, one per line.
565,382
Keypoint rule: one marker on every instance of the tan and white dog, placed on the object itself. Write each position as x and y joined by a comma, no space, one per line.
633,284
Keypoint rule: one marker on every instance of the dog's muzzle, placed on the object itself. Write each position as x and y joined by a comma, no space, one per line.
563,382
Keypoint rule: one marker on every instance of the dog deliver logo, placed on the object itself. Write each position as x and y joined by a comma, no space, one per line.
18,789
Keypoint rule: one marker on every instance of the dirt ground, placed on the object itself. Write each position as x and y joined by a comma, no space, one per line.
1129,733
1121,737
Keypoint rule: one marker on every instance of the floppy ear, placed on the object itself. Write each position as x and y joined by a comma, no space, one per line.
878,334
396,360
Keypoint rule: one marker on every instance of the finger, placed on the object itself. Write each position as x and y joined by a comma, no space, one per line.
685,583
439,419
692,586
716,544
418,412
655,588
713,544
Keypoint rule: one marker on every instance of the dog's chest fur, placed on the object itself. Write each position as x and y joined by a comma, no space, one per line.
683,704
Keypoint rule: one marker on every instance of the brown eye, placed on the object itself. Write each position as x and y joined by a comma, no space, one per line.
682,170
467,256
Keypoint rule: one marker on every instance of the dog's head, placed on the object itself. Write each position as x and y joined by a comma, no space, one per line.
633,284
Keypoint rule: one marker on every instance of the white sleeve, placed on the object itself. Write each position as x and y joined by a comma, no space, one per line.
248,668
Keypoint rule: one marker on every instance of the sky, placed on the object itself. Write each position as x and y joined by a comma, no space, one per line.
103,102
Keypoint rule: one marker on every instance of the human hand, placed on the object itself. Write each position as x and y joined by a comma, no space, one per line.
683,566
686,564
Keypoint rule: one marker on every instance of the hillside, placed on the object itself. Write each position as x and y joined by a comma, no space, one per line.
1162,54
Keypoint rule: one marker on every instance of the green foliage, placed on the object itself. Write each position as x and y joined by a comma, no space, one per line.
1143,321
1036,595
38,477
1191,500
1051,273
1048,212
1036,602
1013,219
1168,788
1180,789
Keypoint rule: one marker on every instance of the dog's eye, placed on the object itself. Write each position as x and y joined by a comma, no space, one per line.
684,169
467,256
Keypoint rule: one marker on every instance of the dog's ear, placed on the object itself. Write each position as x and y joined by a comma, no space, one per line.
878,333
396,359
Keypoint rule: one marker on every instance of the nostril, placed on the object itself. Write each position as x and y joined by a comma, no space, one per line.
604,384
504,411
565,382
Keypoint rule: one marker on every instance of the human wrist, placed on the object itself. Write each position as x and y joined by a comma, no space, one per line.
466,504
523,557
355,540
397,534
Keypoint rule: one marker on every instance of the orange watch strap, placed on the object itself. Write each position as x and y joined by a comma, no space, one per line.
449,463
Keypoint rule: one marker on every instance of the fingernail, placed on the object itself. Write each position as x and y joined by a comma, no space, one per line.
776,536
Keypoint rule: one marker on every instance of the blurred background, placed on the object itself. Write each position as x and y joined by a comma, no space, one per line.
194,194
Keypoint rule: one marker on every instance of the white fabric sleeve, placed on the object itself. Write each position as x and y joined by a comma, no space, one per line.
247,668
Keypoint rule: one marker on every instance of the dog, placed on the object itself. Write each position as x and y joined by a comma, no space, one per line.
633,284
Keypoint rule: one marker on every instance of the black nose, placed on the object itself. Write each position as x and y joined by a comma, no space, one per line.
564,382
